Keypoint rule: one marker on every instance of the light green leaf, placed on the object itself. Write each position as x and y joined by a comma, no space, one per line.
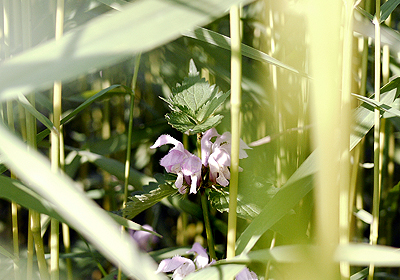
106,40
5,253
387,8
115,4
72,204
366,254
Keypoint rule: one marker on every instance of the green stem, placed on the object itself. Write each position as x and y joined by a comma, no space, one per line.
206,218
129,143
373,238
236,77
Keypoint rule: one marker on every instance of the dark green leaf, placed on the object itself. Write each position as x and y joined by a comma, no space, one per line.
387,8
141,202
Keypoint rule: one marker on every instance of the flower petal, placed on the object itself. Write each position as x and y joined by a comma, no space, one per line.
246,274
167,139
201,259
206,144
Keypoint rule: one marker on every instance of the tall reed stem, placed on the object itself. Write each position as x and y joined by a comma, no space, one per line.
236,89
55,149
373,238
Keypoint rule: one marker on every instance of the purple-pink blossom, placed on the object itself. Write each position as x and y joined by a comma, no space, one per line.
217,155
181,266
180,162
144,239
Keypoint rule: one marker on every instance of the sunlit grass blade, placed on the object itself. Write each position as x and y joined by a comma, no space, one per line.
387,8
224,42
94,45
90,220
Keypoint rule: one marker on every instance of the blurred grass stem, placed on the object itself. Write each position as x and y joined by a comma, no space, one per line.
236,87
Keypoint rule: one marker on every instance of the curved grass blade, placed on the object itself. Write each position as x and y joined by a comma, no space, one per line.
224,42
39,116
73,205
80,108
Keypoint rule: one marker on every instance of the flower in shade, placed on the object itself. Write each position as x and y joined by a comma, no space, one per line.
180,162
217,155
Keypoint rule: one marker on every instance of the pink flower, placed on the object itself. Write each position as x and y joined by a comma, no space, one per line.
180,265
217,155
183,266
144,239
246,274
179,161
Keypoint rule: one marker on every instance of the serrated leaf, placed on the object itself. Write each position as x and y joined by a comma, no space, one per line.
182,123
220,201
211,106
141,202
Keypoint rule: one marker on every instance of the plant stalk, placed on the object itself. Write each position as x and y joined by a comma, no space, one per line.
373,238
207,224
236,88
129,143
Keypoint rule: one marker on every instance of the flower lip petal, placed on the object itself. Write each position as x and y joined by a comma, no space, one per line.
167,139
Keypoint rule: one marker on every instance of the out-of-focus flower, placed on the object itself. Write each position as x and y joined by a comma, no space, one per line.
179,265
183,266
144,239
246,274
201,258
217,155
179,161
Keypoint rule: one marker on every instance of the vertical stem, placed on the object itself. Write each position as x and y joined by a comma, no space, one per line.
327,136
55,149
373,238
129,142
207,224
345,124
14,206
236,87
35,216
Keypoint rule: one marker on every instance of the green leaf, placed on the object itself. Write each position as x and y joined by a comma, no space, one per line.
387,8
181,122
103,41
224,42
72,204
141,202
5,253
245,209
193,104
39,116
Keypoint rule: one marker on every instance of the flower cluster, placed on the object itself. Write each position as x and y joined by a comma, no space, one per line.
181,266
214,154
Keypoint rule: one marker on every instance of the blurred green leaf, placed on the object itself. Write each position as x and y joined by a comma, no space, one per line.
216,272
181,122
72,204
5,253
366,254
106,40
14,190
